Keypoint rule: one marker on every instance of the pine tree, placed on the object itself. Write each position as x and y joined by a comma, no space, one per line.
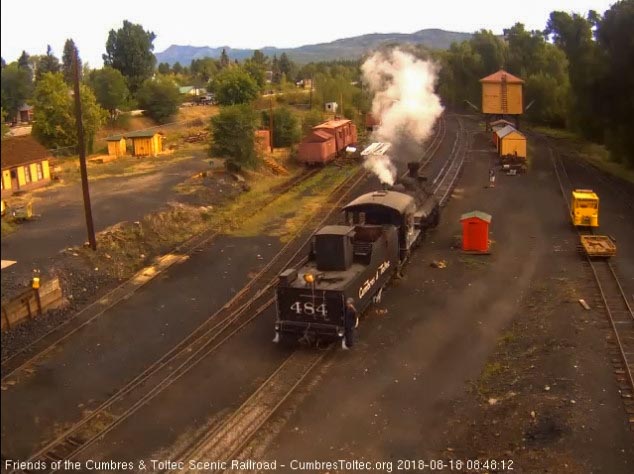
23,60
67,61
224,59
48,63
275,68
164,68
259,58
286,66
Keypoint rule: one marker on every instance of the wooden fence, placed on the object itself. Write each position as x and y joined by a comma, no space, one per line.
32,303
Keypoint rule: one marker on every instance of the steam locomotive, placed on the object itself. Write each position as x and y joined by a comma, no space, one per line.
354,260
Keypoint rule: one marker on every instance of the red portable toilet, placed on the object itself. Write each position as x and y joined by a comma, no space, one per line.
475,231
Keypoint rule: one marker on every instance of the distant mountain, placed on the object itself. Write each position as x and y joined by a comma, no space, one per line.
346,48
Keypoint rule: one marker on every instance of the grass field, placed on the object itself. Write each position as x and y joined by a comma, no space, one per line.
126,247
67,169
595,154
288,213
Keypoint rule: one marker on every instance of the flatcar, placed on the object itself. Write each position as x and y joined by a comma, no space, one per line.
353,260
584,208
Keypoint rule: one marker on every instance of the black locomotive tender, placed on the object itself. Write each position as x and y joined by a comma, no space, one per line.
354,260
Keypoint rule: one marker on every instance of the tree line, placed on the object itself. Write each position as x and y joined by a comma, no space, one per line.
130,78
578,73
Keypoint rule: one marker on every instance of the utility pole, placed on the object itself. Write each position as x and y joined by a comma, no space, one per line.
312,80
81,145
271,123
341,105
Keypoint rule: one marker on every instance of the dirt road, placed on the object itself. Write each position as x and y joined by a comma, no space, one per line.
62,223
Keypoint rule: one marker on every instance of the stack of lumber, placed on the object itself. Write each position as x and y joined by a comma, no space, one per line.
275,166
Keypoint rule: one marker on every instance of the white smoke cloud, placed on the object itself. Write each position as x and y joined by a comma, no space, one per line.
382,166
404,101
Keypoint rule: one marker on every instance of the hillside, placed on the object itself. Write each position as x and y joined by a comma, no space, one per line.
346,48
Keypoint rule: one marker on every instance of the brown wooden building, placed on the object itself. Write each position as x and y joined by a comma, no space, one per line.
25,164
502,97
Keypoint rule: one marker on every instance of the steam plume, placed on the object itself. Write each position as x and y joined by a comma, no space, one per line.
404,101
382,166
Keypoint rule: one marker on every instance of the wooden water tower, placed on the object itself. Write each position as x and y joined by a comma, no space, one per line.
502,97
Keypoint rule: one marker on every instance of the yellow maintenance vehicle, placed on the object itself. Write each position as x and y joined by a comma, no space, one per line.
584,208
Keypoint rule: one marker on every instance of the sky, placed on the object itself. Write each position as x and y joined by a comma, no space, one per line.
32,24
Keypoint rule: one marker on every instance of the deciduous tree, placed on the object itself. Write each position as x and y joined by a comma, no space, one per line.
3,118
16,88
311,119
129,49
286,131
573,34
109,87
257,71
233,132
614,35
159,98
234,86
54,113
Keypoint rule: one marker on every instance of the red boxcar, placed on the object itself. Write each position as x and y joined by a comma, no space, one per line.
318,147
326,141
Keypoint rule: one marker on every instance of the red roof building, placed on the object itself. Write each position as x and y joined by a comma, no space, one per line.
502,75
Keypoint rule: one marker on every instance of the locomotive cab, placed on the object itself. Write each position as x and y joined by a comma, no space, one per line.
344,262
387,207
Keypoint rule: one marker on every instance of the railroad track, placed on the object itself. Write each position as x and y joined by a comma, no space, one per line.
618,309
244,307
230,438
431,149
249,303
233,435
446,178
46,343
615,185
